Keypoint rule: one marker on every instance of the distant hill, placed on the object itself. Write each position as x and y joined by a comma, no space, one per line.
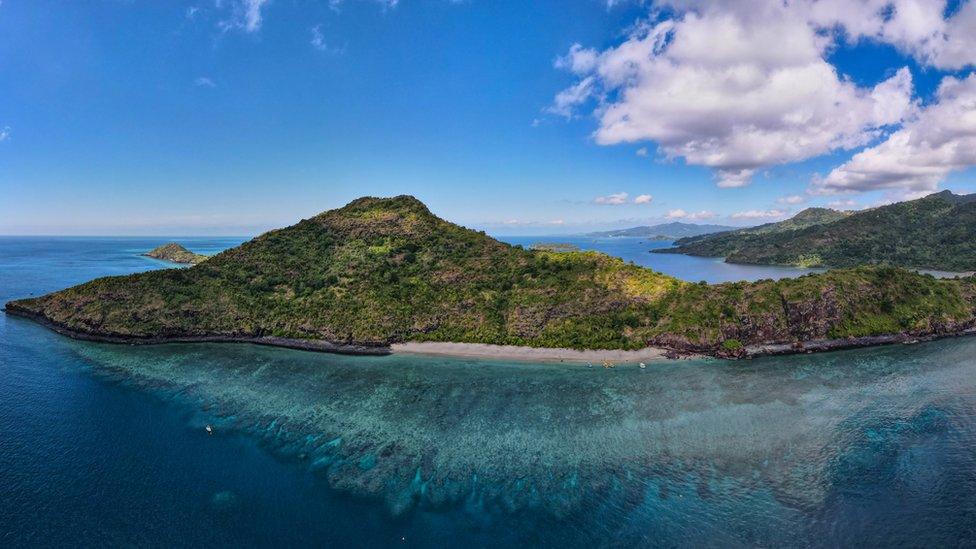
385,270
175,253
665,231
935,232
724,244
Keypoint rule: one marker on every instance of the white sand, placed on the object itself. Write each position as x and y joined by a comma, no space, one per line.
480,350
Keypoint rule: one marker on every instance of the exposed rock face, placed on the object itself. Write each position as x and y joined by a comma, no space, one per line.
175,253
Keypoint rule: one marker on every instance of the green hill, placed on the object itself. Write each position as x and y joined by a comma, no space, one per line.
379,271
935,232
727,243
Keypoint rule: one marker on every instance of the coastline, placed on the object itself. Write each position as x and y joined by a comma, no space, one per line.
534,354
503,352
271,341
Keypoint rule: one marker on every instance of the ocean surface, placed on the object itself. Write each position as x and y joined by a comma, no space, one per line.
637,249
104,445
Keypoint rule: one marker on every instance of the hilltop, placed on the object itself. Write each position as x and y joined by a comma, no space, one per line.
934,232
665,231
726,244
386,270
175,253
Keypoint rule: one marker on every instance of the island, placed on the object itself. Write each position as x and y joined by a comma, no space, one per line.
380,272
175,253
664,231
937,232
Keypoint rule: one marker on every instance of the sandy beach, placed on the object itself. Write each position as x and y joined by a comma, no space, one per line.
512,352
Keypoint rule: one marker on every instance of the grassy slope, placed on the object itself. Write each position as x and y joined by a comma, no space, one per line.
935,232
386,270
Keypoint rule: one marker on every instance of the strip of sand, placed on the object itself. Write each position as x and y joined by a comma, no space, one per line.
512,352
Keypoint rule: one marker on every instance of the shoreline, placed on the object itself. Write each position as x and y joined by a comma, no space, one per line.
503,352
316,345
535,354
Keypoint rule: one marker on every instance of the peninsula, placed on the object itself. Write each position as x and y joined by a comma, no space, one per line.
935,232
175,253
385,271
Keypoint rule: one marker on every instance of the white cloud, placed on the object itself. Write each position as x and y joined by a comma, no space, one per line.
840,204
614,199
567,100
246,15
759,214
642,152
4,133
939,140
768,96
643,199
690,216
318,41
204,82
791,199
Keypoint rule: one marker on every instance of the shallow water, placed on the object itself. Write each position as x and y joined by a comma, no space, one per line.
104,444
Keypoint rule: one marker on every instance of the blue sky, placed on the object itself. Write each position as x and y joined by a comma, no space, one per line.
235,116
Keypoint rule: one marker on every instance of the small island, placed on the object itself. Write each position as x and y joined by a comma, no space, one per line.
175,253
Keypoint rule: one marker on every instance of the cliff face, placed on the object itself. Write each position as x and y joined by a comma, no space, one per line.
380,271
175,253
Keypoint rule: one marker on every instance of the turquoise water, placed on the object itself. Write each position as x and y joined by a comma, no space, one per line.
104,444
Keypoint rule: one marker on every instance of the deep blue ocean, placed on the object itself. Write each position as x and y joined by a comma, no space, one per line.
104,445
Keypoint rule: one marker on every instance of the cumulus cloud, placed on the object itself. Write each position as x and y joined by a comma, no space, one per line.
566,101
642,152
4,133
791,199
643,199
768,96
204,82
940,139
690,216
759,214
614,199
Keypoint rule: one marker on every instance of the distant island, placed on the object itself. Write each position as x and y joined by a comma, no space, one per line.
664,231
935,232
175,253
384,271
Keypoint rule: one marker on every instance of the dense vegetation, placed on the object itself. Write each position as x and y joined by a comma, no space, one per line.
935,232
175,253
387,270
665,231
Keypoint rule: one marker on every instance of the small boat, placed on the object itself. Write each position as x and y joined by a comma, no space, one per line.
589,364
642,365
209,430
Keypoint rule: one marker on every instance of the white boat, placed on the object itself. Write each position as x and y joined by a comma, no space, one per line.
209,429
642,365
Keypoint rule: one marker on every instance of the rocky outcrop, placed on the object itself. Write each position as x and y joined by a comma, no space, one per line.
175,253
